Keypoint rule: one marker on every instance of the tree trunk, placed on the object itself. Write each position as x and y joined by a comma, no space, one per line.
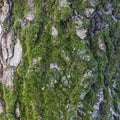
59,60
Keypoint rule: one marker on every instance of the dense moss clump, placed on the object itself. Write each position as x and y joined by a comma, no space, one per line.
70,64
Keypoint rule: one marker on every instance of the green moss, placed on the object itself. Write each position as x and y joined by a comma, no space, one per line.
3,117
81,5
10,99
33,82
19,7
65,13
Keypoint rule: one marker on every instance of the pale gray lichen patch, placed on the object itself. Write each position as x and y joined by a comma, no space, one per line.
30,16
102,45
118,106
82,95
100,96
84,55
54,66
36,61
113,113
89,12
81,33
65,81
63,3
17,111
54,31
88,74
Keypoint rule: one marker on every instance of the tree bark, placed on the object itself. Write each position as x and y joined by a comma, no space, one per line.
59,60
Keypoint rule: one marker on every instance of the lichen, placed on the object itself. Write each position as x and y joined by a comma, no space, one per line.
60,60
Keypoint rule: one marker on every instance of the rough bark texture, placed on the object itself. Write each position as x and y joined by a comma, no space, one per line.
59,60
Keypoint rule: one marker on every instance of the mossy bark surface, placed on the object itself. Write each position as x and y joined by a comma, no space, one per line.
70,65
